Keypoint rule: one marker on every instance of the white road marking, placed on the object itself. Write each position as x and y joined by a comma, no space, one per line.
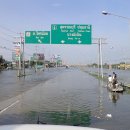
9,106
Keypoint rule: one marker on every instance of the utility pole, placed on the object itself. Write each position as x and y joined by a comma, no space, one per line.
36,60
99,41
17,42
100,54
20,45
23,53
19,61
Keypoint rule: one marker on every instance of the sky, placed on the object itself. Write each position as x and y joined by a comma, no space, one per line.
18,16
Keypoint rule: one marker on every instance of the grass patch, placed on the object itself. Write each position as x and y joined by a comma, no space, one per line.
96,75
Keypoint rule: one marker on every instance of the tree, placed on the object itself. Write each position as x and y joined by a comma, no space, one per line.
2,63
1,60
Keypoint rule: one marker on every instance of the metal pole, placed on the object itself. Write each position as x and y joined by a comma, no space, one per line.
19,69
107,13
23,57
101,63
98,57
36,60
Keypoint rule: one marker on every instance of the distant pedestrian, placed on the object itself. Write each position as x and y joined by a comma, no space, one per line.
110,79
114,78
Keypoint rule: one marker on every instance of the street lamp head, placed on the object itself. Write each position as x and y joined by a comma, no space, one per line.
105,13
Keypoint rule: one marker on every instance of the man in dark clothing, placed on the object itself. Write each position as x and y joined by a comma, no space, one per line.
114,79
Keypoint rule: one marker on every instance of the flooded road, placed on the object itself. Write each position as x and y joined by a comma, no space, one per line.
66,97
11,85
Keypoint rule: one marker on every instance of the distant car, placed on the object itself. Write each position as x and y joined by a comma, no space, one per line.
9,68
67,66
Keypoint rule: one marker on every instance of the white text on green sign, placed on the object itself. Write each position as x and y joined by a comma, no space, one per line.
71,34
37,37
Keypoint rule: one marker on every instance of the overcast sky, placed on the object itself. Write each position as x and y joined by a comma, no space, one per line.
37,15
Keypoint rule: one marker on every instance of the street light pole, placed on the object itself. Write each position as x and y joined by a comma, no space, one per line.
123,17
107,13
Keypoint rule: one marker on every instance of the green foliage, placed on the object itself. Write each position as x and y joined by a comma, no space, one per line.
2,60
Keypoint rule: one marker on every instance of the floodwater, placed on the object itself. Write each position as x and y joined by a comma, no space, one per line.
69,97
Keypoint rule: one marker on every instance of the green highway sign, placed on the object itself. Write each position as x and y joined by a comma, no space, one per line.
71,34
37,37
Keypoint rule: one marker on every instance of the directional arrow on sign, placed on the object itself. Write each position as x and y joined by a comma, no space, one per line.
79,41
39,41
62,41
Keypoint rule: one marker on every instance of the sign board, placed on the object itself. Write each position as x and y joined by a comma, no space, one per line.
71,34
15,57
38,56
37,37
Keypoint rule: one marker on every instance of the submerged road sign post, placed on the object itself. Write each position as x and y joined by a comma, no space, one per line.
37,37
71,34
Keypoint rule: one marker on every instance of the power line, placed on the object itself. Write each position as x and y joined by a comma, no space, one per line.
9,35
7,29
4,47
5,39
